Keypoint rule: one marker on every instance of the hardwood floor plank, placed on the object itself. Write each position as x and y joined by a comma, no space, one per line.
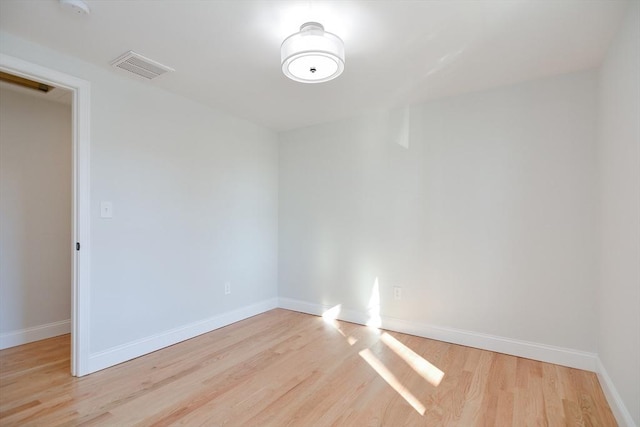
18,409
284,368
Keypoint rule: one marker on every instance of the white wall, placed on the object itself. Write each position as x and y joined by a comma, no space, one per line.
195,205
35,216
619,161
487,220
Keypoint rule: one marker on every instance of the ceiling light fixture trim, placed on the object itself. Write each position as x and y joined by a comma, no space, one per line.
312,55
77,6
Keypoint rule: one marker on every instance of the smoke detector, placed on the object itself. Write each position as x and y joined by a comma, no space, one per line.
140,65
77,6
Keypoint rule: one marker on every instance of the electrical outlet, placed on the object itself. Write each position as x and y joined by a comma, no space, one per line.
227,288
397,292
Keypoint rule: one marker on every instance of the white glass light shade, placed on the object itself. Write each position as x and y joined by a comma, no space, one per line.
312,55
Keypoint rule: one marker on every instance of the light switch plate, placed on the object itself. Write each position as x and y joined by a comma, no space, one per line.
106,210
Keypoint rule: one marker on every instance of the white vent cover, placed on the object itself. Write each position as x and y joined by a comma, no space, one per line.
140,65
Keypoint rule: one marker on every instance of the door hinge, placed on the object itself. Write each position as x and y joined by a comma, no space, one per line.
77,246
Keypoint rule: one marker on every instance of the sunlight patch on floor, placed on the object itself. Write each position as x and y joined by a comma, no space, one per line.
330,317
426,370
391,379
332,314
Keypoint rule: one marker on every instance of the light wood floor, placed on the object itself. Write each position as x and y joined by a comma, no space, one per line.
284,368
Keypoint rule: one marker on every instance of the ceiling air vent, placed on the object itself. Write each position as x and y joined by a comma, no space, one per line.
140,65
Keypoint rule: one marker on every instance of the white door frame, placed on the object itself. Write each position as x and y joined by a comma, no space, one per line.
81,200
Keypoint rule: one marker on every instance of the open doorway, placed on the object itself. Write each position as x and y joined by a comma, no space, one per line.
77,242
35,210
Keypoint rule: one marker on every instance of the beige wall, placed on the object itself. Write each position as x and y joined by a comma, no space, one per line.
619,158
35,215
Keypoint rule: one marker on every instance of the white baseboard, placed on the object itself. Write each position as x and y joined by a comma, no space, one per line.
122,353
619,409
530,350
36,333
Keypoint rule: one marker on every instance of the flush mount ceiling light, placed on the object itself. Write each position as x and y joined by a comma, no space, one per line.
312,55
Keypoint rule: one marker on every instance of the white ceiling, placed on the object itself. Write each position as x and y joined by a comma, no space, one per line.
227,53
